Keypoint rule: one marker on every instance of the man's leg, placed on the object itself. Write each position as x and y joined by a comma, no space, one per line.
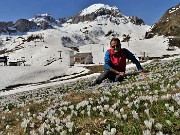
119,78
103,76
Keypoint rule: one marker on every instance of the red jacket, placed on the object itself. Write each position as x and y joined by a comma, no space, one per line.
118,61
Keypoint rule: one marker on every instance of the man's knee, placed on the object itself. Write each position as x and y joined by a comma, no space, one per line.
119,78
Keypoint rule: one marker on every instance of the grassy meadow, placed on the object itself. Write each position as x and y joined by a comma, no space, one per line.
145,104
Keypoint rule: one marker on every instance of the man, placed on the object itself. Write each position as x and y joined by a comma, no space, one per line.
115,62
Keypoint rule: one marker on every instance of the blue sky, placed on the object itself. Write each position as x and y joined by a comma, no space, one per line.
148,10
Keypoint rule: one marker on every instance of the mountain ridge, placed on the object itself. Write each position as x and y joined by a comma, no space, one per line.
46,21
169,25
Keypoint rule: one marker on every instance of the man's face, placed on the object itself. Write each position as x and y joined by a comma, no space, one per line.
115,46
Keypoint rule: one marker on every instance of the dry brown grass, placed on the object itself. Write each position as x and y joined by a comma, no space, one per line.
78,97
89,125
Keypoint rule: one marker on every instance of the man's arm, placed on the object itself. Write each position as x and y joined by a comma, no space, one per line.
107,60
131,57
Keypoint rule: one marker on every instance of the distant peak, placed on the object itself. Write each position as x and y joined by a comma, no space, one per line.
94,8
42,15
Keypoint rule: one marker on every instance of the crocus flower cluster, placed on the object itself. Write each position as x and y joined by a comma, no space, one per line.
143,104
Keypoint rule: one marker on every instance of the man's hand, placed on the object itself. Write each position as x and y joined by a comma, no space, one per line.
143,71
140,71
121,73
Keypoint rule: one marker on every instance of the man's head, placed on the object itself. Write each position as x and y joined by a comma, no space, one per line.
115,44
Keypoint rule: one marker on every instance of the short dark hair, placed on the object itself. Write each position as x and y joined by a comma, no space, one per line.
115,39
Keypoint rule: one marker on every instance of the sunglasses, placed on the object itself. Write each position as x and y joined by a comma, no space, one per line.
115,46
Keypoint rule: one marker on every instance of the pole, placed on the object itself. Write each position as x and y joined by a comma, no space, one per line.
60,55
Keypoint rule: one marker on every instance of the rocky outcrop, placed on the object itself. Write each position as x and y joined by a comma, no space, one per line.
91,17
62,20
24,25
135,20
45,25
169,24
5,25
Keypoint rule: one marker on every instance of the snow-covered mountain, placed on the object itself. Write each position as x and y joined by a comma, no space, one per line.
89,31
97,11
41,46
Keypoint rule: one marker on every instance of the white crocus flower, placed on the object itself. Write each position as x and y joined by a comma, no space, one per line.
65,108
74,112
32,132
82,112
69,124
70,130
126,102
34,115
57,120
24,123
101,114
17,113
147,112
135,114
47,121
124,116
168,122
94,108
146,132
171,108
89,107
63,133
167,106
89,113
41,130
39,117
113,131
7,126
146,104
176,114
130,105
31,125
71,107
137,105
52,130
159,133
158,126
105,132
148,124
29,114
106,107
111,110
21,114
122,110
62,113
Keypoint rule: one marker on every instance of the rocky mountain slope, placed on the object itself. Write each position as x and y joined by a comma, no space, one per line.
169,25
41,21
